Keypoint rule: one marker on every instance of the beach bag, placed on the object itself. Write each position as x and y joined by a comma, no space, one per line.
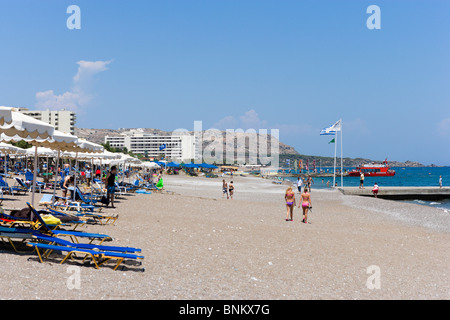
104,200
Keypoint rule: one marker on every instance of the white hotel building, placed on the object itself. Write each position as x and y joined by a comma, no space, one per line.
179,147
62,120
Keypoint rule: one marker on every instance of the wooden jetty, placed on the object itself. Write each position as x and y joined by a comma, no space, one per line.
401,193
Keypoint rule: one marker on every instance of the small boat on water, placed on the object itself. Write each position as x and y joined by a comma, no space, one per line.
373,170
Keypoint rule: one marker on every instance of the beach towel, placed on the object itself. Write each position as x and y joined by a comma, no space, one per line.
24,213
50,219
142,191
160,184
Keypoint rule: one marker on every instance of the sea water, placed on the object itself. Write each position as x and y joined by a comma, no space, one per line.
404,177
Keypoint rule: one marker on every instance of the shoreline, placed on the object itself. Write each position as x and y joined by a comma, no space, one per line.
399,208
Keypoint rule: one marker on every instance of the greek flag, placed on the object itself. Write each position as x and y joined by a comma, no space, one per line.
331,130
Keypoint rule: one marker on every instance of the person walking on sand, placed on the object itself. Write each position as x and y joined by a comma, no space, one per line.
308,183
110,185
231,189
289,197
224,189
305,203
361,180
440,181
299,184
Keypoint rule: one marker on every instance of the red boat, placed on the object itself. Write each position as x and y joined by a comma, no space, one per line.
373,170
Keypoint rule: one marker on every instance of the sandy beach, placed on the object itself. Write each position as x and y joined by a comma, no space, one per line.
198,245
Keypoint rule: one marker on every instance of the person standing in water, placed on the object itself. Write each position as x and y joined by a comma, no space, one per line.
305,203
289,197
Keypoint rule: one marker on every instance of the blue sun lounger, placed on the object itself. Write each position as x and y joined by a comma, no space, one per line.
11,235
74,235
62,242
85,199
99,257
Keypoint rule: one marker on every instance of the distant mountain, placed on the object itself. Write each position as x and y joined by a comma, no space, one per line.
286,151
98,136
347,162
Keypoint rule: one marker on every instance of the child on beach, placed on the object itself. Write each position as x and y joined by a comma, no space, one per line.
305,203
289,197
375,190
231,189
224,188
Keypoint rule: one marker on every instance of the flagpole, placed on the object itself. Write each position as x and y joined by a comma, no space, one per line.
342,167
334,167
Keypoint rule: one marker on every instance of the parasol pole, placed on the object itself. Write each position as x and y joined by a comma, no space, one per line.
56,176
75,175
34,175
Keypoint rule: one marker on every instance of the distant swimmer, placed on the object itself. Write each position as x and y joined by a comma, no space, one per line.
289,197
305,202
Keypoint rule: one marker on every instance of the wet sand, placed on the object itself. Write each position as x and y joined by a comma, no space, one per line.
198,245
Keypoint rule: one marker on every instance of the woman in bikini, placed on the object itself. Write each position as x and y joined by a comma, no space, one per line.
305,203
289,196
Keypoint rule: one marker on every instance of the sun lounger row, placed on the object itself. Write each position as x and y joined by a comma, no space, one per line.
46,239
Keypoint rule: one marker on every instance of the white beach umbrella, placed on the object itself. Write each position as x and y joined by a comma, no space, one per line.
9,149
151,165
18,126
5,116
61,142
41,152
85,146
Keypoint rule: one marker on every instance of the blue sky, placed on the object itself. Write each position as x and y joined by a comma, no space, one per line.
297,66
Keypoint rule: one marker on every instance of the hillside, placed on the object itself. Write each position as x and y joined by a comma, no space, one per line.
286,151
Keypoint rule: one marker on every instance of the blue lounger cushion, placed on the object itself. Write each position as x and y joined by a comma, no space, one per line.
66,243
93,252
